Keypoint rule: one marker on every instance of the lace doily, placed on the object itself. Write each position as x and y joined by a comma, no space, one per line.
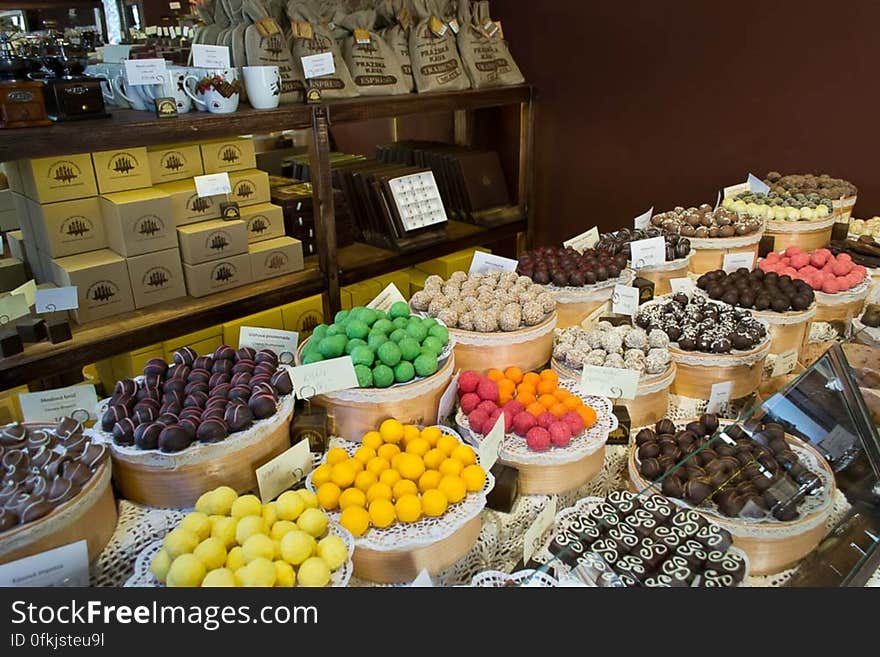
700,243
427,530
595,292
198,451
789,317
825,332
858,293
735,357
515,451
800,226
495,579
498,339
669,265
687,408
142,577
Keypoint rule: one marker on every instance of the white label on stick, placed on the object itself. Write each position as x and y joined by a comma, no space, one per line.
483,263
324,376
210,56
584,241
423,580
282,472
651,251
733,261
491,444
29,290
213,184
67,565
314,66
78,402
757,185
644,220
115,54
685,285
12,307
283,343
719,396
53,299
387,298
538,528
145,71
447,401
613,382
785,362
625,300
735,190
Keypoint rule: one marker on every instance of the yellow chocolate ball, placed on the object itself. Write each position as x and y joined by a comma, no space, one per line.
355,519
333,550
259,572
464,454
247,527
186,571
280,528
321,475
382,513
474,478
418,446
434,503
390,477
336,455
308,497
247,505
379,491
235,558
410,466
450,466
203,504
364,480
314,572
289,505
179,541
408,508
297,546
160,564
220,578
222,499
328,496
258,546
284,574
391,431
431,479
211,552
343,474
453,488
434,458
352,497
404,487
270,513
372,439
364,454
388,452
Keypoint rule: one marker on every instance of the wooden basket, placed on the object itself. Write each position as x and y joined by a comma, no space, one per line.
90,516
696,381
859,356
573,306
405,565
773,384
528,349
536,479
828,311
648,406
809,237
141,479
709,253
782,546
352,413
787,330
660,275
843,207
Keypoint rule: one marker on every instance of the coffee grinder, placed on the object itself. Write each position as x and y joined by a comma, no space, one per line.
21,99
70,95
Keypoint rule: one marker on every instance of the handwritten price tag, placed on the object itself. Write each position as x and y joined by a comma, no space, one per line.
28,290
325,376
644,220
584,241
13,307
283,343
447,401
757,185
486,262
685,285
491,445
210,56
538,528
733,261
785,362
145,71
735,190
78,402
67,565
648,252
314,66
387,298
624,300
53,299
719,396
212,184
613,382
285,470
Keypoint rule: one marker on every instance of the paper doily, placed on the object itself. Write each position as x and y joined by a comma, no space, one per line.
800,226
851,295
495,579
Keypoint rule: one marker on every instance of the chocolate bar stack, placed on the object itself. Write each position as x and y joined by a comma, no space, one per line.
295,198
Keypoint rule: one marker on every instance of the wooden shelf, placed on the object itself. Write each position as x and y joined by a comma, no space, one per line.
127,128
359,261
101,339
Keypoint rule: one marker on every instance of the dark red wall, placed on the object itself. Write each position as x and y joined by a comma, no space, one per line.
662,103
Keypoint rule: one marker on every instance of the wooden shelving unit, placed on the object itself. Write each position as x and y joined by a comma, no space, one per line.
324,273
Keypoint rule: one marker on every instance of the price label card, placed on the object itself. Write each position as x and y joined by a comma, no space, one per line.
53,299
735,190
785,362
314,66
644,220
387,298
685,285
210,56
491,445
719,396
624,300
78,402
115,54
447,401
145,71
213,184
733,261
648,252
285,470
325,376
150,30
613,382
423,580
12,307
538,528
584,241
27,290
283,343
486,262
757,185
67,565
174,5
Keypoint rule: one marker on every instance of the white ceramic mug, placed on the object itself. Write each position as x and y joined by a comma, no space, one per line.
210,98
107,89
134,94
174,86
263,85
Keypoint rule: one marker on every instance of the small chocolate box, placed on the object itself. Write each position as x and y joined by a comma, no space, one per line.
212,240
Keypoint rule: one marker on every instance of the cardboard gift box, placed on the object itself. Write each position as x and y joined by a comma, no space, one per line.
122,170
156,277
218,275
249,187
264,221
138,221
277,257
172,162
62,178
102,283
232,154
187,207
68,228
212,240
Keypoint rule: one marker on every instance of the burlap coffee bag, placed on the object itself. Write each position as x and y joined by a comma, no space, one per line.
433,51
483,50
266,45
372,63
208,33
221,20
397,18
312,36
239,24
206,15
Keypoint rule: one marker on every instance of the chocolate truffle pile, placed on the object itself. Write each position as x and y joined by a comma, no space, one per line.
487,303
697,324
745,477
755,289
704,222
568,268
199,399
823,184
622,346
619,242
43,468
780,207
644,540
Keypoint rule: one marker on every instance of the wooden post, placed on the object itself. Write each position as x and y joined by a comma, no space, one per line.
325,218
526,170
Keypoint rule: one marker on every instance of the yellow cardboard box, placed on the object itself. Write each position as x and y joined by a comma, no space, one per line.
264,221
172,162
218,275
364,292
416,280
272,318
156,277
131,364
277,257
69,227
445,266
138,221
232,154
186,206
250,187
212,240
122,170
400,278
303,315
10,408
102,283
188,340
62,178
206,347
345,298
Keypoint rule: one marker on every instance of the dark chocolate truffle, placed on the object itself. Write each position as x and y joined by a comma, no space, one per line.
212,431
146,436
174,438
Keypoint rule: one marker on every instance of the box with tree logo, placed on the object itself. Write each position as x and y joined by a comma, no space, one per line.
156,277
138,221
174,162
217,275
122,170
101,278
212,240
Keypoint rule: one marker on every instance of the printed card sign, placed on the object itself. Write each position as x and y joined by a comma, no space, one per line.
538,528
67,565
29,290
491,445
624,300
757,185
283,343
145,71
613,382
685,285
644,220
648,252
210,56
78,402
13,307
483,263
785,362
212,184
584,241
285,470
735,190
733,261
326,376
719,395
387,298
314,66
53,299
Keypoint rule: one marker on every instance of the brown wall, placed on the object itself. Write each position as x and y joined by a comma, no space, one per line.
662,103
